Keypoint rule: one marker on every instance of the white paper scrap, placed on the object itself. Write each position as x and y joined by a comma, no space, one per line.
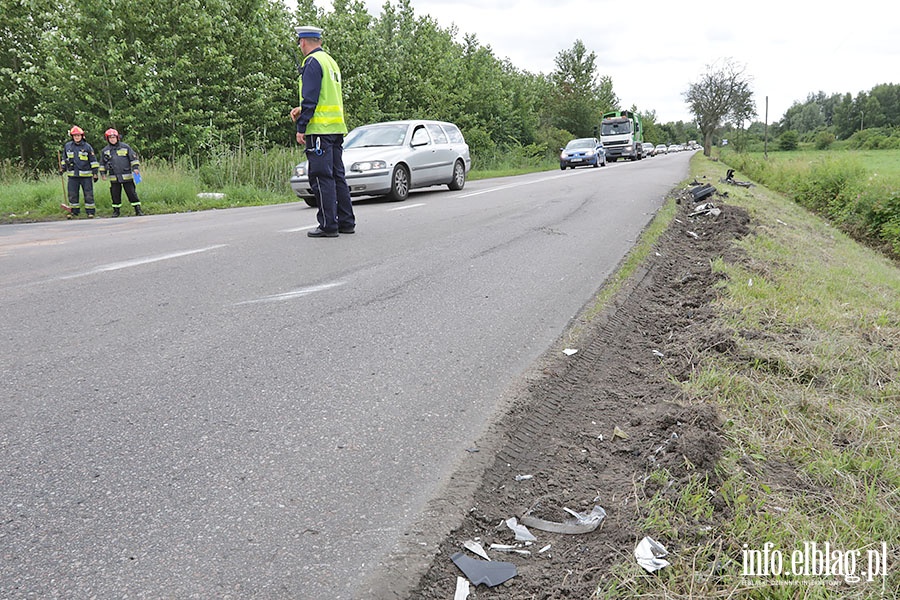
649,554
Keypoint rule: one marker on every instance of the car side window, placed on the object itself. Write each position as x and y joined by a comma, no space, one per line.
437,134
454,133
420,137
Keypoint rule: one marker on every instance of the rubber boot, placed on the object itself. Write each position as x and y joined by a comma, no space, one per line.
137,210
115,211
89,210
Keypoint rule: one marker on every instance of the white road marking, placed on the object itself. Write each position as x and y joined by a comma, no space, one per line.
140,261
296,229
521,183
292,294
408,206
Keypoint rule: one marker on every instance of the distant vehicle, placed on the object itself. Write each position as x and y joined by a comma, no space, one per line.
649,150
622,135
582,151
661,149
392,158
675,148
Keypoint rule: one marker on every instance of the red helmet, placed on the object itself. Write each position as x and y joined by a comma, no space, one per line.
110,132
76,130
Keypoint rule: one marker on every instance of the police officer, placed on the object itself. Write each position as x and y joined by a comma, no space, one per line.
120,161
80,164
321,128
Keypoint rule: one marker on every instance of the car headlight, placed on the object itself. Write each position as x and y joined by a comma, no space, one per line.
589,152
564,155
368,165
300,170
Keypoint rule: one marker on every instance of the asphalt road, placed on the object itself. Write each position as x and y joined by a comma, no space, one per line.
213,405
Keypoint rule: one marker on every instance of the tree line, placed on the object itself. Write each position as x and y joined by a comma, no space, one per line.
186,77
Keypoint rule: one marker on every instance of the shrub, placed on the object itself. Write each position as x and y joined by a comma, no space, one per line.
788,140
824,140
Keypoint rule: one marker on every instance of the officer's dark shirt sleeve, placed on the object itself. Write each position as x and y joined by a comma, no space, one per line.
312,87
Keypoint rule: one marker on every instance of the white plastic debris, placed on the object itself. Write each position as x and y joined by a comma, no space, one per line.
659,354
211,195
649,554
582,523
544,549
462,589
524,477
476,548
569,351
693,235
522,533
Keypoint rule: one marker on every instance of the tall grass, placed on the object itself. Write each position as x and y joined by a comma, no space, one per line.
859,191
245,177
246,173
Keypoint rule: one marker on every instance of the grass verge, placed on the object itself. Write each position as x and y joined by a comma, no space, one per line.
808,393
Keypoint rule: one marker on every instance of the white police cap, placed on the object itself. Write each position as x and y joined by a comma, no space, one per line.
308,31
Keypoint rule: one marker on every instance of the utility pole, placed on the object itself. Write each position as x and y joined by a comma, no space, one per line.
766,137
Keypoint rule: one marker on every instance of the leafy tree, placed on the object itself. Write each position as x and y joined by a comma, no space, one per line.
23,78
577,93
722,93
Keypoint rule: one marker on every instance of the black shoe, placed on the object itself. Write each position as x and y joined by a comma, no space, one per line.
137,210
317,232
115,212
350,229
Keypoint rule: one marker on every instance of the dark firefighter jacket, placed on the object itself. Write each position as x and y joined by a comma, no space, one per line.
79,159
119,161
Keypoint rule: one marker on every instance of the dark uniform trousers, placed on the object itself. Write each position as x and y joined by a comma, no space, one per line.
86,184
115,191
328,181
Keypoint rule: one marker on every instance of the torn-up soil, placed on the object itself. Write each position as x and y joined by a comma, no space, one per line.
562,431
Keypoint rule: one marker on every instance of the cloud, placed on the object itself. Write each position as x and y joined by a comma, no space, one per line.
654,50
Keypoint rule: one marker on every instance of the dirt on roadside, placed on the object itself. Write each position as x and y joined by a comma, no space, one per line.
592,427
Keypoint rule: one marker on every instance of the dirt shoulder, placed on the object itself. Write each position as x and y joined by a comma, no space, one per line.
590,428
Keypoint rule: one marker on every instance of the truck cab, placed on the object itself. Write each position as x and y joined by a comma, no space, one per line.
621,133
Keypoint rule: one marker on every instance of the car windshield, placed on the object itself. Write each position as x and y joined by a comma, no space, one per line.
376,135
615,127
580,143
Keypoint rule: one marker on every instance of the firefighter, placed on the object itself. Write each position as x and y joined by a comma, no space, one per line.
120,163
80,164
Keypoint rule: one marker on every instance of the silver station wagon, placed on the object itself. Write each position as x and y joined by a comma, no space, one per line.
390,159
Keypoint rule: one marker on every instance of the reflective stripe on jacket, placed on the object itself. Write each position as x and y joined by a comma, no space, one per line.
329,115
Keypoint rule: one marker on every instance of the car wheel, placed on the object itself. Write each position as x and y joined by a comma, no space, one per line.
399,184
459,177
311,202
562,167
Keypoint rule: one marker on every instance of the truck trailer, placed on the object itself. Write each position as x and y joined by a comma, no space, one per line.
622,134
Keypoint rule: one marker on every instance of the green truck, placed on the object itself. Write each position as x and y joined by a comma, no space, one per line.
622,135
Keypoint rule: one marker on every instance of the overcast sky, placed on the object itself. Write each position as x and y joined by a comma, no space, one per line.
654,49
